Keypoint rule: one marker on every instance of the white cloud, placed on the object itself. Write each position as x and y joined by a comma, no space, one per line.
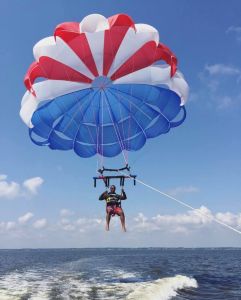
201,215
184,223
65,221
8,189
181,223
220,86
221,69
25,218
69,227
6,226
83,224
142,230
2,225
142,223
88,223
140,218
32,184
229,218
224,102
66,212
39,224
236,30
12,189
3,177
10,225
180,229
183,190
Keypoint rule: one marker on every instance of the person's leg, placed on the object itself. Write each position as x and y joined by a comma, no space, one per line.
121,214
108,217
122,218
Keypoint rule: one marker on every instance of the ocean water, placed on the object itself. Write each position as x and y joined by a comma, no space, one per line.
113,273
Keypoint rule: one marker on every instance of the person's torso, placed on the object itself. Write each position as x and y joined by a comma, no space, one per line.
113,199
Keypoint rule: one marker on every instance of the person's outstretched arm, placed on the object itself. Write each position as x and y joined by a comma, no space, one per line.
103,196
123,195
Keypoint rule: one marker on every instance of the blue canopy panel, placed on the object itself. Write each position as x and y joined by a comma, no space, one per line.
106,121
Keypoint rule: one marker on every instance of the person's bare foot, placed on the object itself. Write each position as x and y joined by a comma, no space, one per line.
107,228
124,229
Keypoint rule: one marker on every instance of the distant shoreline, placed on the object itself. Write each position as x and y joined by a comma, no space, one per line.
129,248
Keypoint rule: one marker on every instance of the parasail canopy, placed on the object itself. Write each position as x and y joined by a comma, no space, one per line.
102,86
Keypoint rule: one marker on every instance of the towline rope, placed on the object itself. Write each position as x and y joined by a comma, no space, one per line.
186,205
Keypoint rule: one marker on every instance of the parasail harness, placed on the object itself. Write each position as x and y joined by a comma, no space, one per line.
122,177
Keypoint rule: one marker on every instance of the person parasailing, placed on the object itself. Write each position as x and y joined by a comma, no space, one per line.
113,206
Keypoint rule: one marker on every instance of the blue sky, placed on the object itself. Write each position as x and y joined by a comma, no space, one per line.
47,197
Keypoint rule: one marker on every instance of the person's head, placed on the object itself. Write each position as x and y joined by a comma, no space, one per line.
112,188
